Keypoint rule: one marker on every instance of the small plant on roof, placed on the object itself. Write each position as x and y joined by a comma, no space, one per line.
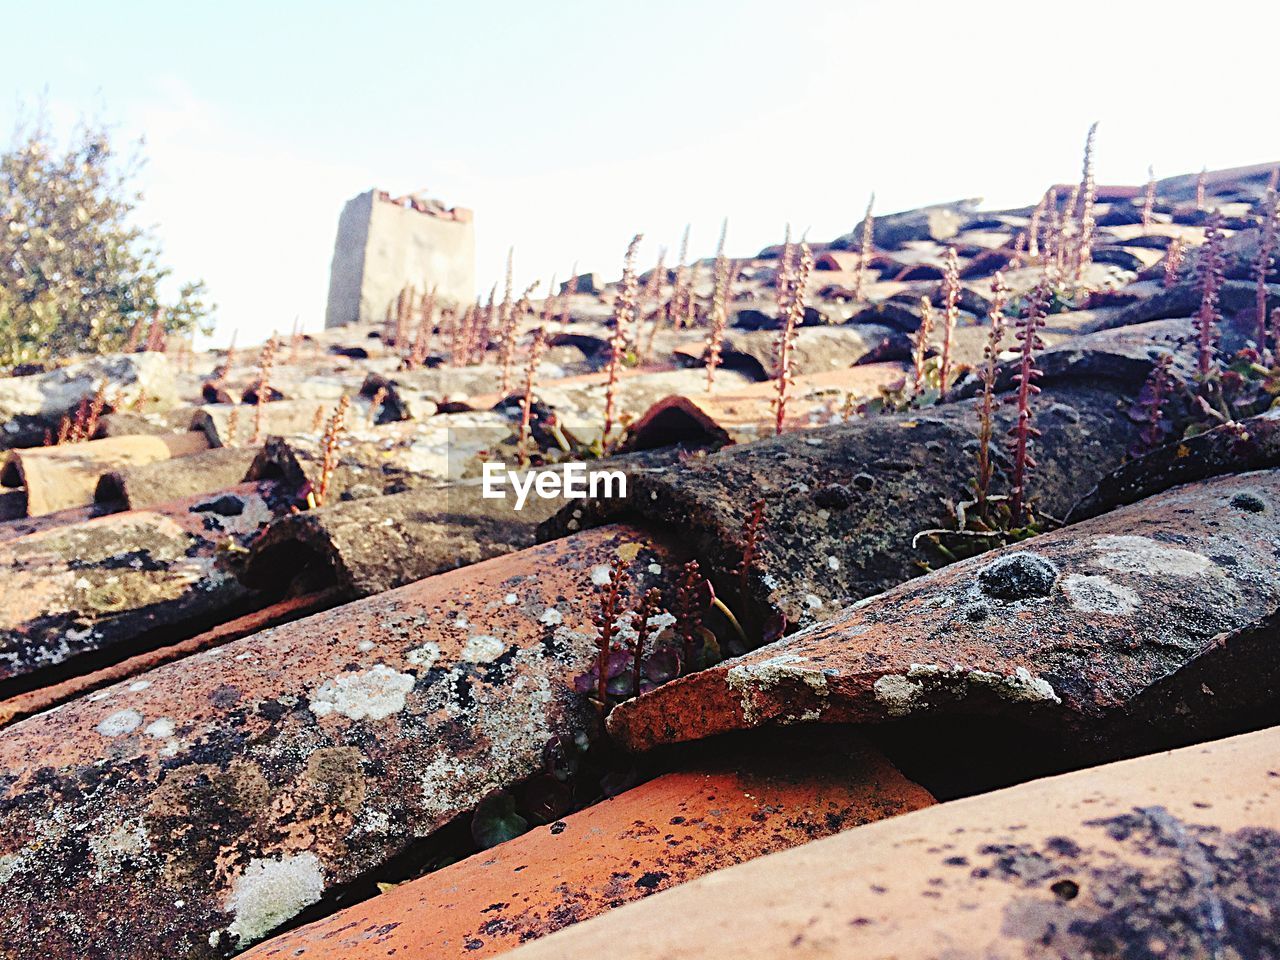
1173,261
986,406
866,248
81,425
333,432
1209,276
693,598
1023,432
793,276
262,389
526,402
1149,409
650,667
950,311
1262,264
624,308
1149,200
609,663
1086,224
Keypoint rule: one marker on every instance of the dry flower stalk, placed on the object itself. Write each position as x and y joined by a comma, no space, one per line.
1034,227
1086,224
653,296
233,426
375,405
426,326
1262,266
1149,200
333,432
725,270
920,346
866,248
262,392
1173,261
719,316
792,280
624,310
1023,431
1209,275
1202,182
156,336
986,408
677,306
526,402
507,325
950,312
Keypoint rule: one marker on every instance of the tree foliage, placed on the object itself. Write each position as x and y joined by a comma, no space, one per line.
77,274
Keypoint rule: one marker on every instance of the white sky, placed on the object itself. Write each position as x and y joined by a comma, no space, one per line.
568,126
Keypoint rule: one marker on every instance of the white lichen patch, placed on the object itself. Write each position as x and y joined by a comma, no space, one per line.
903,694
119,723
511,599
483,648
898,695
749,680
1130,554
1017,687
270,891
424,656
138,685
551,617
373,694
1097,594
600,574
160,729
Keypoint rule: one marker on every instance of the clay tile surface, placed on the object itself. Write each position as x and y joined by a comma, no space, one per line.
1147,626
370,545
1250,444
844,502
30,405
743,414
67,475
1173,855
250,780
115,582
145,485
744,802
40,699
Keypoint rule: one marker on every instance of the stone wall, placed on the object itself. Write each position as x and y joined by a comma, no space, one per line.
384,244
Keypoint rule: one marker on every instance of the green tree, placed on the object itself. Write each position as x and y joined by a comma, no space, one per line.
77,274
